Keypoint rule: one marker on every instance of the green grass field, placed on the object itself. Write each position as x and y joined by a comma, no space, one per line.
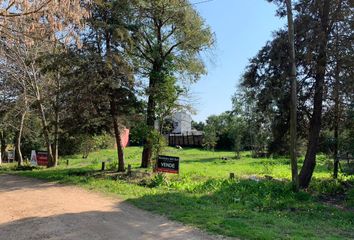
203,196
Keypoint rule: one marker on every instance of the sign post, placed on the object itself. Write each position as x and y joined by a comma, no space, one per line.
168,164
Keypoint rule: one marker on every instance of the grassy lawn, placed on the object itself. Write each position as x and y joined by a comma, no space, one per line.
203,195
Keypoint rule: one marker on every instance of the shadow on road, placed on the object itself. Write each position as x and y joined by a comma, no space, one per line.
93,225
31,209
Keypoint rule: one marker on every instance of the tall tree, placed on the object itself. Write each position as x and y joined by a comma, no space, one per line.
108,39
340,78
34,23
26,69
316,64
323,10
16,73
168,33
293,104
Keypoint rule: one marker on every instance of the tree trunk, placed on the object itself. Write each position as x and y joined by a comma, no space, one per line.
113,107
293,102
56,125
336,119
336,143
18,152
150,118
315,123
117,135
2,146
56,147
43,118
46,135
154,79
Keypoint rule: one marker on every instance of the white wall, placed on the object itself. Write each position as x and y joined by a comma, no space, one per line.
182,122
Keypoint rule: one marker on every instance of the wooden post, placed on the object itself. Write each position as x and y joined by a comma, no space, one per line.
67,162
103,166
129,172
232,175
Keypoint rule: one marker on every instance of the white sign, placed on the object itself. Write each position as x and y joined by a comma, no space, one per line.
33,158
11,156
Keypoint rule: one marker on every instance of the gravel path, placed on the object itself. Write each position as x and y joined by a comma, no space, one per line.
31,209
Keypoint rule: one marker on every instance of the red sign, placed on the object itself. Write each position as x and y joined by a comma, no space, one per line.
124,136
42,158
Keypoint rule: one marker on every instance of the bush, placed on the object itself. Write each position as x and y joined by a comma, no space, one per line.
350,198
87,145
158,180
138,134
84,143
330,187
158,143
210,137
112,165
68,145
104,141
5,167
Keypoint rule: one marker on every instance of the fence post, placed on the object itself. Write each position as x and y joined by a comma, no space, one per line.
129,172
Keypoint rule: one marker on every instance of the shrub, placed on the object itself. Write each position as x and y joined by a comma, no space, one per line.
331,187
104,141
138,134
350,198
210,137
158,180
84,143
112,165
158,143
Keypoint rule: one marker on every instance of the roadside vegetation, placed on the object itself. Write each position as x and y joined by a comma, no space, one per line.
258,204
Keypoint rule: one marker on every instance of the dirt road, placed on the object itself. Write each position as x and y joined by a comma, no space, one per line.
35,210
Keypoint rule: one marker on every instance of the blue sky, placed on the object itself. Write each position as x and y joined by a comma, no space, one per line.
241,27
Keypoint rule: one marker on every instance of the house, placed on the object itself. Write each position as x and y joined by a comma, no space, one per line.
183,134
182,122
